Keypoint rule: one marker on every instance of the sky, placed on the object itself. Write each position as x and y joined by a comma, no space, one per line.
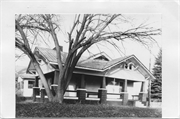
128,47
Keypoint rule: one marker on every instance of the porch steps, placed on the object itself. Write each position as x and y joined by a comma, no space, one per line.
140,104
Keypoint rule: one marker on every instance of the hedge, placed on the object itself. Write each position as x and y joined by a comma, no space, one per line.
82,110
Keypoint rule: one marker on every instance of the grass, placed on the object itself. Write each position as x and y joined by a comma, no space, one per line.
82,110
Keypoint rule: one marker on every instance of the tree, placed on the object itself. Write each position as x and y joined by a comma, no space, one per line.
87,30
156,85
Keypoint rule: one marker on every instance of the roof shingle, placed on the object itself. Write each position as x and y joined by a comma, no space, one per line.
50,55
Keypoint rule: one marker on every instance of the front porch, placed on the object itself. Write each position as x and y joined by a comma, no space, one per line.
83,89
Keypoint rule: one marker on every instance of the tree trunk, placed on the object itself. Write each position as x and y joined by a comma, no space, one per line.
60,94
43,79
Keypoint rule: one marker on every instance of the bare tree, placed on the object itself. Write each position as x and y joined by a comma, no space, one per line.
87,30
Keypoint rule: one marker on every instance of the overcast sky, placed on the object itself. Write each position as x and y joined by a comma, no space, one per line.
128,47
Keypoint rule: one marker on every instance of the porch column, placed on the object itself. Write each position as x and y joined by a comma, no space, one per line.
56,76
36,82
81,91
54,89
124,93
35,92
35,89
42,94
142,94
102,92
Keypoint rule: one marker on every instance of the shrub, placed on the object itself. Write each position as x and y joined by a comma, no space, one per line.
81,110
20,98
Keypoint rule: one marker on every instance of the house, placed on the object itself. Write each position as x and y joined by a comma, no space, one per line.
96,77
24,85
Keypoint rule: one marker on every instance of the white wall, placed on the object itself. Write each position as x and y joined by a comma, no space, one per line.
71,86
27,92
130,89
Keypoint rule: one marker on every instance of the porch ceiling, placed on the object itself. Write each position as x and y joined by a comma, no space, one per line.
127,74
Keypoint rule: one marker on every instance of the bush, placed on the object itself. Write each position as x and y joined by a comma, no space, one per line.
20,98
81,110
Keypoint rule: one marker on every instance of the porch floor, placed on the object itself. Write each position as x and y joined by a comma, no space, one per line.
88,98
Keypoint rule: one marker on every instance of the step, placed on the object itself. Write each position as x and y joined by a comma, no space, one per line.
139,104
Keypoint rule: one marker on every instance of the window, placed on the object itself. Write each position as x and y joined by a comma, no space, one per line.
124,65
131,66
34,72
30,84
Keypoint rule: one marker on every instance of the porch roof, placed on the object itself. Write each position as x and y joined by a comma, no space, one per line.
27,76
127,74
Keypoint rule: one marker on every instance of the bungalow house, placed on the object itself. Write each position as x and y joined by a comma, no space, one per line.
96,77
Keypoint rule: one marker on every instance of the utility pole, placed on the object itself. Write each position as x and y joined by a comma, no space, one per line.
149,83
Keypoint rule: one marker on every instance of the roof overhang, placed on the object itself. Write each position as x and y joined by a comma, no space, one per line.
107,68
27,76
127,74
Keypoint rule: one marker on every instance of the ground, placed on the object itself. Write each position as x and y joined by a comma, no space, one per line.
82,110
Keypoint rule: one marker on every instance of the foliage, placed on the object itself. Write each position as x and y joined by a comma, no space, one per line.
156,85
82,110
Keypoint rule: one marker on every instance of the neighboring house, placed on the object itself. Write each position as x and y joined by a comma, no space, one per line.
98,75
24,85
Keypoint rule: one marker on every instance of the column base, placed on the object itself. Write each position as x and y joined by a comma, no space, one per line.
124,98
54,89
102,94
81,94
42,94
142,97
35,92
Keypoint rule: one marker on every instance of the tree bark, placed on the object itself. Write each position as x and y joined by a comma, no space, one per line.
43,79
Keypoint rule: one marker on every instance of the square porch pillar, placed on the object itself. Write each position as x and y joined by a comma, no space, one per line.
42,94
81,91
81,94
35,92
102,92
36,83
142,94
54,89
124,93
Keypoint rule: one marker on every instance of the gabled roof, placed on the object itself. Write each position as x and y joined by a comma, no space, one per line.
99,64
84,62
88,63
50,54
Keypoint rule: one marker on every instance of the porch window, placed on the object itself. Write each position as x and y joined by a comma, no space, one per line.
30,84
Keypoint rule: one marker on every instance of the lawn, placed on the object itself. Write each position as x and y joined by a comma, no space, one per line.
82,110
